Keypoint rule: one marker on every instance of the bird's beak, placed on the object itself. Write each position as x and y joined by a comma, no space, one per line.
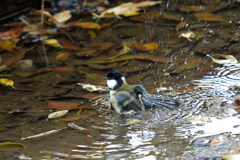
105,78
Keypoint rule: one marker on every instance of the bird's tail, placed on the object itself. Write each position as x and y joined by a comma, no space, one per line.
160,101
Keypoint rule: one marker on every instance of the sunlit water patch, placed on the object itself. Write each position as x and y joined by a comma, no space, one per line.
226,77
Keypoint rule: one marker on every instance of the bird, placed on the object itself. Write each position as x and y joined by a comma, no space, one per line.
125,98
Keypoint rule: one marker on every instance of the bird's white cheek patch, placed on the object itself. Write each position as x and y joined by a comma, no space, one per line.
111,83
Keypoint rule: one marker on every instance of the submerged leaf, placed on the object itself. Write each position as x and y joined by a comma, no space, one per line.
62,105
208,17
181,25
186,8
57,114
229,59
87,25
95,79
62,56
135,121
12,144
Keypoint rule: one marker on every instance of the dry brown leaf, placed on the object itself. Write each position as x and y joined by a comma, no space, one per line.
62,70
62,56
62,105
211,2
87,25
152,58
69,46
95,79
208,17
181,25
90,95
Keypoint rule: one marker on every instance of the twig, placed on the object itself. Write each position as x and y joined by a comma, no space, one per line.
43,134
42,26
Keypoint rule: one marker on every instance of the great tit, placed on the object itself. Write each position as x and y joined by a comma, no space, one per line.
125,97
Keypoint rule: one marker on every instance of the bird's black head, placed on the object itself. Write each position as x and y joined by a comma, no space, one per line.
115,79
114,75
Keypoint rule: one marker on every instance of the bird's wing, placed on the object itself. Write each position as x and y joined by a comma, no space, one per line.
127,101
152,100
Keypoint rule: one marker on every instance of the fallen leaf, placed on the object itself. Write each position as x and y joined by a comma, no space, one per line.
62,16
95,79
62,105
196,119
127,7
33,73
93,87
62,70
62,56
181,25
91,33
153,58
7,82
140,46
211,2
102,67
8,45
123,51
69,46
218,140
229,59
31,27
57,114
10,58
87,25
151,46
52,43
135,121
188,35
186,8
208,17
131,13
90,95
94,49
13,144
231,157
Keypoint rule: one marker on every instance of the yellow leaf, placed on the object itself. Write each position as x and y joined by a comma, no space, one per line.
131,13
135,121
87,25
52,42
151,46
7,82
13,144
8,45
91,33
62,56
63,16
181,24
